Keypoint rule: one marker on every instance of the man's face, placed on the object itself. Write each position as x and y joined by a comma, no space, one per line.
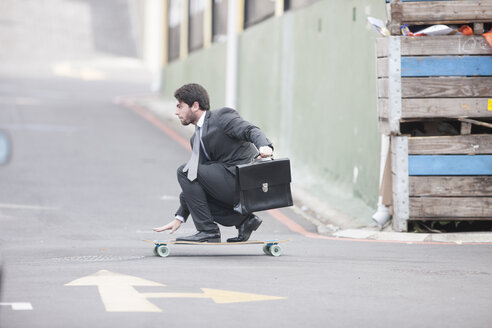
184,113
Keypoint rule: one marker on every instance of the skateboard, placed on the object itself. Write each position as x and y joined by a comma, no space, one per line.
270,247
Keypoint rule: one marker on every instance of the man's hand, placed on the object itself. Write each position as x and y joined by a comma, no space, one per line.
173,226
265,151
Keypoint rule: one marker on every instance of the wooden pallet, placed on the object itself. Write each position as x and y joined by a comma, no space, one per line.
432,77
436,178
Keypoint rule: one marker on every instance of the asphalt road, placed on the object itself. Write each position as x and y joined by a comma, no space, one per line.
87,180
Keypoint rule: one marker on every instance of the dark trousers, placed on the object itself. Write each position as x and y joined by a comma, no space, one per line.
210,198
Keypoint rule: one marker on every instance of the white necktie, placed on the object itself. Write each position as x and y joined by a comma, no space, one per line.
192,165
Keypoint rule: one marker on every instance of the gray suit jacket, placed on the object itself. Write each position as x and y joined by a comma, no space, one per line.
228,139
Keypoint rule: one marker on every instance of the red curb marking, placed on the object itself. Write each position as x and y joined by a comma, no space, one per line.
158,123
295,227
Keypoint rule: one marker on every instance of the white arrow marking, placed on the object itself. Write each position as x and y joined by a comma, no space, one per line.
167,197
18,306
118,294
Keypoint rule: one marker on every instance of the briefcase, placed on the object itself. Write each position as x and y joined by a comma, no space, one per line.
263,185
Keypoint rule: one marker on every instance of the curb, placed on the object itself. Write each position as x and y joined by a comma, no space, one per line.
410,237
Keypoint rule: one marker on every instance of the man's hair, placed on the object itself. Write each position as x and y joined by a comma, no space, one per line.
189,93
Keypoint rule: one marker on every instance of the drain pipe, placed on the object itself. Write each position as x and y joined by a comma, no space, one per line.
382,215
232,54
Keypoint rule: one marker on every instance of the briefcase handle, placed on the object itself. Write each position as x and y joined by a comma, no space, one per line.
261,159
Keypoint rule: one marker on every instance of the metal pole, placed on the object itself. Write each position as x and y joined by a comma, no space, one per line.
232,55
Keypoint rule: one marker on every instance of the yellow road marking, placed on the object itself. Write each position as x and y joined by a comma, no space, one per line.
219,296
66,69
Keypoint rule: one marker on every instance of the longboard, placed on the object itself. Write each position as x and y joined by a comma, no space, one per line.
270,247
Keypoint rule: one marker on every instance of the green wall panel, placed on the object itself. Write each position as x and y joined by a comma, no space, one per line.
205,66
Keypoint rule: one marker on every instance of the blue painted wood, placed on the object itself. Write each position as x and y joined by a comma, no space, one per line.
450,165
446,66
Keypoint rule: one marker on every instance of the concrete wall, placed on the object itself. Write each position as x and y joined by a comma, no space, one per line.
308,79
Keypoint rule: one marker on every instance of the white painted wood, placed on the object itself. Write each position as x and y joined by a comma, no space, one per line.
399,170
394,84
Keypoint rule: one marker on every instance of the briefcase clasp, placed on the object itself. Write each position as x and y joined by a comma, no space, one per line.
265,187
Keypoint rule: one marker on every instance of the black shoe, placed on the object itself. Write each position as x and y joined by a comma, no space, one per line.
203,237
246,229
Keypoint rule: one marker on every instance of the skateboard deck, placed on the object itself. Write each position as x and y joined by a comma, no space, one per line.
270,247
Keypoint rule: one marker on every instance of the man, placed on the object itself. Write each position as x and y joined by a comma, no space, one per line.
222,140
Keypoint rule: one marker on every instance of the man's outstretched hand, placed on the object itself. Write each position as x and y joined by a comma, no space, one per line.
173,226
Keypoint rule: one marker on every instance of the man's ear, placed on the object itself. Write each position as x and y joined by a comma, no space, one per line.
195,106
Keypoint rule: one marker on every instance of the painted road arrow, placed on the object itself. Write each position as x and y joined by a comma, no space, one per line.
117,292
16,306
119,295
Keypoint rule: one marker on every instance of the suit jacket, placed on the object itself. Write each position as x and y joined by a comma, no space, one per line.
229,139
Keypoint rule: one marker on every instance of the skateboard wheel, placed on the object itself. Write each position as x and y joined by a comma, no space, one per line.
275,250
155,250
162,250
266,249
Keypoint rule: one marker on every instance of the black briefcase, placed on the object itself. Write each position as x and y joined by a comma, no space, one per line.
263,185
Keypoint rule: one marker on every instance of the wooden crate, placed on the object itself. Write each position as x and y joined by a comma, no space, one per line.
441,178
426,12
432,77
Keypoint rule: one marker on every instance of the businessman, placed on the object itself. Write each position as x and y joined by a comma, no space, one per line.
222,140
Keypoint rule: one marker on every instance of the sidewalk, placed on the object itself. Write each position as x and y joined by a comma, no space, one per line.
329,221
